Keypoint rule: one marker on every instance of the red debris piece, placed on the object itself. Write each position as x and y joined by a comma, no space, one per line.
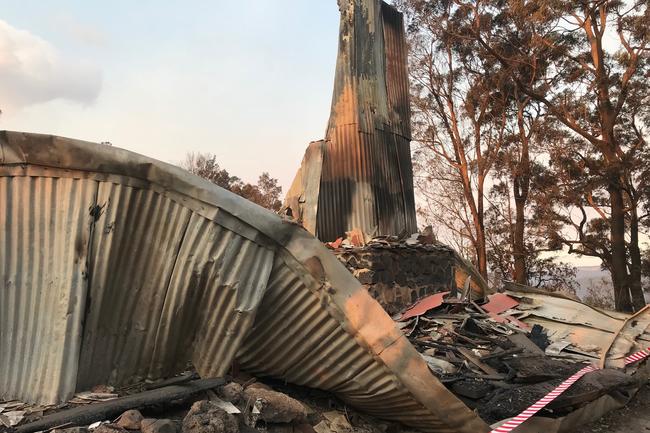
424,305
336,244
356,238
519,323
500,303
498,319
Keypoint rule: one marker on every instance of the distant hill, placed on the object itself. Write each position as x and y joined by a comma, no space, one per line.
595,286
589,276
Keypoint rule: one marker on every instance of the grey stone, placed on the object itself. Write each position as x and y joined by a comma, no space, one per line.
232,392
206,417
158,426
276,406
130,420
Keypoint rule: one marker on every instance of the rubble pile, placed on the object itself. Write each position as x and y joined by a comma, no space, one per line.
496,363
243,405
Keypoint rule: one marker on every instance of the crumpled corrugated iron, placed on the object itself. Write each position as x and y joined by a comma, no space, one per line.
115,267
595,335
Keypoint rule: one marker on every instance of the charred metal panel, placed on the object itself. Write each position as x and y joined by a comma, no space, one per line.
302,197
295,338
367,174
116,267
133,255
42,296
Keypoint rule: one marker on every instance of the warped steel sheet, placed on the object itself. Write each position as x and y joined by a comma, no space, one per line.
115,267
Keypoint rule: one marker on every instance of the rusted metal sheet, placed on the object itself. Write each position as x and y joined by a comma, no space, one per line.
212,278
367,174
302,197
115,267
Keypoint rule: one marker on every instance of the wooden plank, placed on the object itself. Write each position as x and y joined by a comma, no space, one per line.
85,415
520,340
477,362
502,354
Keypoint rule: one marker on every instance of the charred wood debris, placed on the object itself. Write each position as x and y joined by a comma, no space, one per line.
188,404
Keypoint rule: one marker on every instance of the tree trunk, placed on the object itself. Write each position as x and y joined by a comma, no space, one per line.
521,189
519,247
481,249
619,261
480,225
636,288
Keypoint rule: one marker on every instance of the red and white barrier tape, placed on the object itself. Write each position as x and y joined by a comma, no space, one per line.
639,356
534,409
531,411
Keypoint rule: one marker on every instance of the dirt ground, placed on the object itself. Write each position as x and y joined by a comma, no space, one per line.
635,418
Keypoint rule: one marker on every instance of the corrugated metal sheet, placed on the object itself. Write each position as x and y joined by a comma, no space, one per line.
146,249
295,338
134,248
600,335
117,267
367,174
42,295
362,185
302,197
397,77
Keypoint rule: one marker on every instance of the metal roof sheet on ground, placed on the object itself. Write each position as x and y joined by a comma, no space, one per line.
601,335
115,267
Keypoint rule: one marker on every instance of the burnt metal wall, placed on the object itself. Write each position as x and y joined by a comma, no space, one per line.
367,174
115,267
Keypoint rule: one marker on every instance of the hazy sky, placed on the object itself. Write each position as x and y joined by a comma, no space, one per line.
250,80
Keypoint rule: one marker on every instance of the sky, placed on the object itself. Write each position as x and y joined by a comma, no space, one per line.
250,81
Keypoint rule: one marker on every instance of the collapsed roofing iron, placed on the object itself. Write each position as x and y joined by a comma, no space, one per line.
361,176
117,267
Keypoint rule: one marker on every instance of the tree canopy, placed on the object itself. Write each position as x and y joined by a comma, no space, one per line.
531,120
266,193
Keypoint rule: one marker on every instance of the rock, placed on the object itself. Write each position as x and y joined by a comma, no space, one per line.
109,428
232,392
276,407
427,237
130,420
338,422
158,426
207,417
259,385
